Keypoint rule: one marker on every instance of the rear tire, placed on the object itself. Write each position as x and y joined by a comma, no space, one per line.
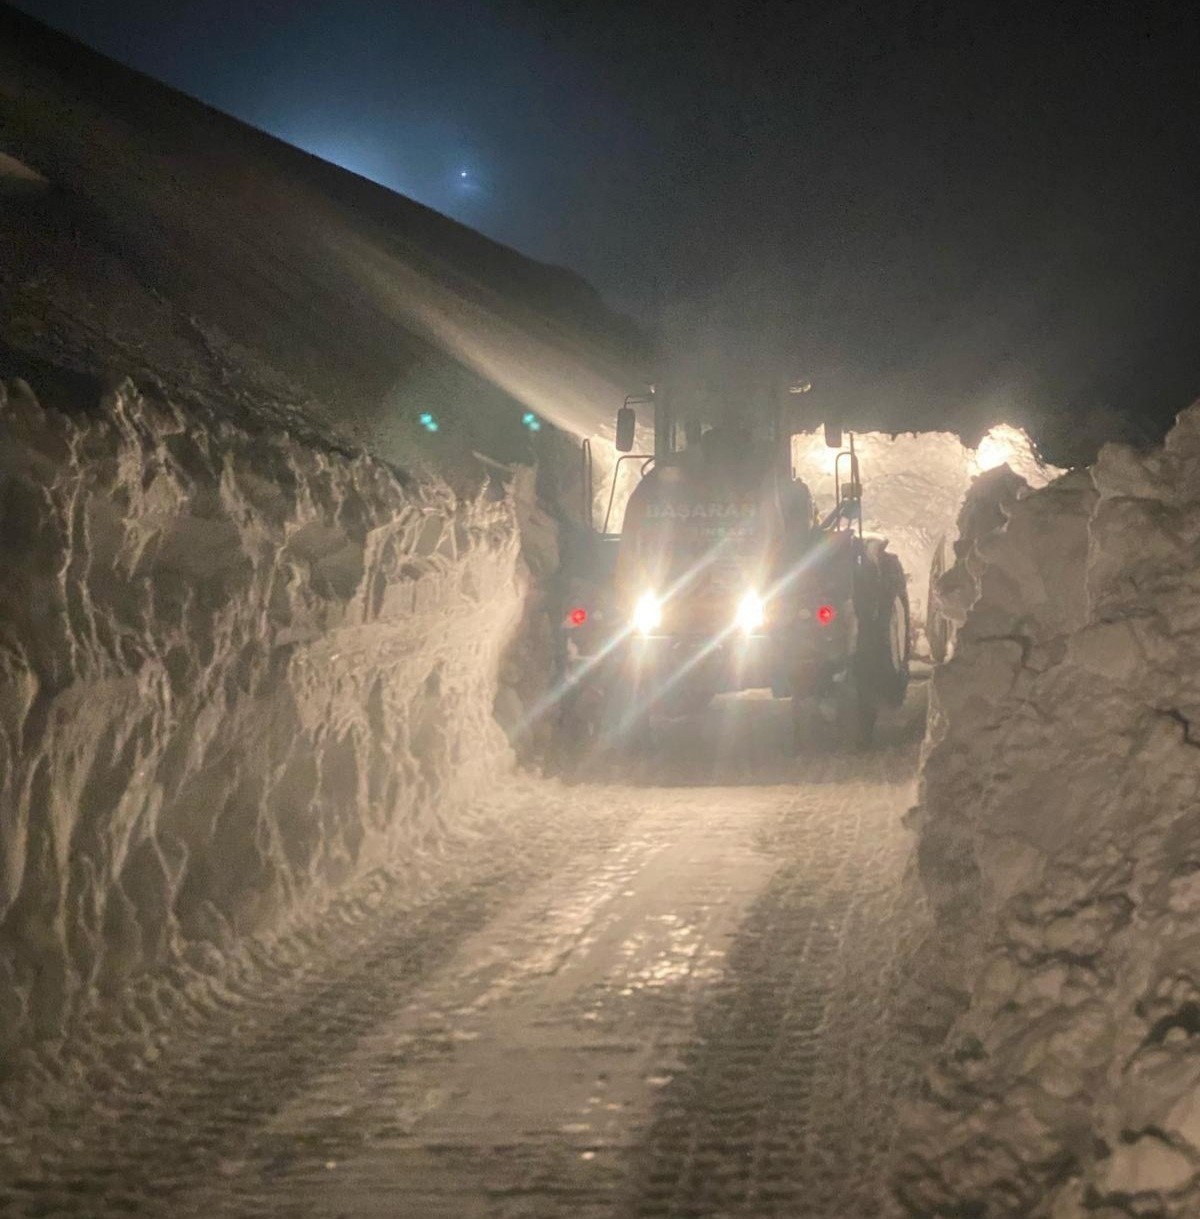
884,649
843,718
894,644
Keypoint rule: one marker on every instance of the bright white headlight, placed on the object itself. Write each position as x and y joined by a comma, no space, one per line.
751,613
647,613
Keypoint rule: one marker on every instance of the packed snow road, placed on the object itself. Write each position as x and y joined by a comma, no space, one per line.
670,991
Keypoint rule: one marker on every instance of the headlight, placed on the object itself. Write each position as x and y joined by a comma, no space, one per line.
647,614
751,613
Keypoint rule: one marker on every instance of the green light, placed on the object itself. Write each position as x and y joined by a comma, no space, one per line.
531,421
428,422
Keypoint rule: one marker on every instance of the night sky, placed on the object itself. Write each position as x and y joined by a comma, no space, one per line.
937,202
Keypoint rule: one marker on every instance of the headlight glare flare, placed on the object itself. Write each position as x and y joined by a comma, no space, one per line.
647,613
752,612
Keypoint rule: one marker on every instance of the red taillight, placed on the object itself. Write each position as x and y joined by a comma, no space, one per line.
578,616
826,614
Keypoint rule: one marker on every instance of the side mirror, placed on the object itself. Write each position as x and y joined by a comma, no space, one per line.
833,435
626,425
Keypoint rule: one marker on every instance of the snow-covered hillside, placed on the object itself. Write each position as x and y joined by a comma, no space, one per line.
177,246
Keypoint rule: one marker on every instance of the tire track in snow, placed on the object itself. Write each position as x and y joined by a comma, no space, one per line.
676,1002
138,1143
514,1082
766,1117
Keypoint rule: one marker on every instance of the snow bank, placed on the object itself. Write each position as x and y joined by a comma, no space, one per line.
236,673
1059,842
914,484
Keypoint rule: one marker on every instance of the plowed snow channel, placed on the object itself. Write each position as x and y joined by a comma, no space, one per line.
675,993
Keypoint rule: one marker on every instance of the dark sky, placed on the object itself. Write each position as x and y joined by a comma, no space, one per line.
933,201
411,93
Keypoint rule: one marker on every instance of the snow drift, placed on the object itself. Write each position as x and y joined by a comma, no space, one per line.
1059,842
236,672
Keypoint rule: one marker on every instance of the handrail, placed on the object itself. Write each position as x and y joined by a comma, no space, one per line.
855,481
612,491
588,517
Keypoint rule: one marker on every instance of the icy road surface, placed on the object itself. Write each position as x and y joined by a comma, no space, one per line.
681,998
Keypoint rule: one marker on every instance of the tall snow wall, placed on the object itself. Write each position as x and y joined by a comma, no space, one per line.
236,673
914,484
1059,844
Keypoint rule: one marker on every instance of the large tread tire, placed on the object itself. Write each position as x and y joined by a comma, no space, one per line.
884,648
574,731
843,719
857,713
895,648
580,725
628,720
